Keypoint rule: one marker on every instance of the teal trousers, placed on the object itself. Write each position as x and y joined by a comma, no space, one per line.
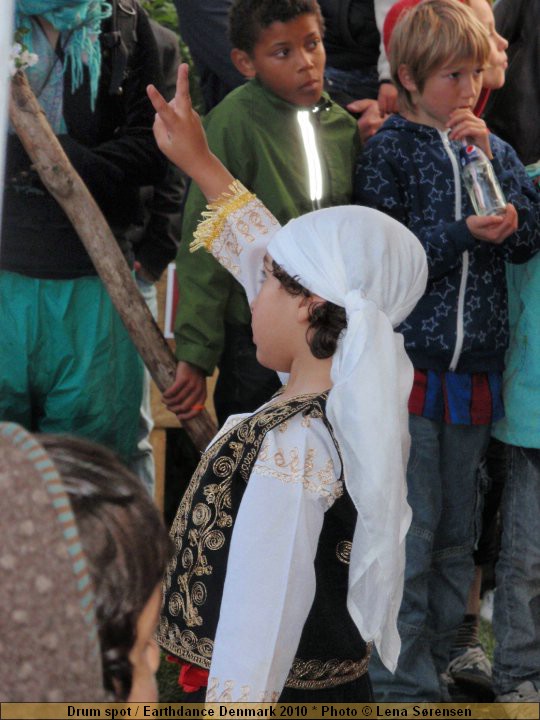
67,364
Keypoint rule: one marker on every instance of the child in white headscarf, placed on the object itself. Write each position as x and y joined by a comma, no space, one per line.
290,537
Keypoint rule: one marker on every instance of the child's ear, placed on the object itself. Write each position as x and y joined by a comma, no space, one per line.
305,306
243,63
406,79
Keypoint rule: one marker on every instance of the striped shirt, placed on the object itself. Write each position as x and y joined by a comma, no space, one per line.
457,398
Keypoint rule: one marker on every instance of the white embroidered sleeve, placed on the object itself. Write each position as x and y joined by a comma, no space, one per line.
270,581
237,229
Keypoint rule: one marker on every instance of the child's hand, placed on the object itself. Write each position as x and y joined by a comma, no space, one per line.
493,228
464,125
177,127
180,136
387,98
187,395
370,119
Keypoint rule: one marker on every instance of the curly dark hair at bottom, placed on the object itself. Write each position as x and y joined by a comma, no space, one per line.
125,542
326,320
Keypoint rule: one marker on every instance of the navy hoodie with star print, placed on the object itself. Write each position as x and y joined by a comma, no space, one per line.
411,171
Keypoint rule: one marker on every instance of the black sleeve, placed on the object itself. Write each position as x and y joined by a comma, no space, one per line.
160,238
509,19
124,154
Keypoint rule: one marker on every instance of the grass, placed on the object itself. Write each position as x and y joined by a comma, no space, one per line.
486,638
167,677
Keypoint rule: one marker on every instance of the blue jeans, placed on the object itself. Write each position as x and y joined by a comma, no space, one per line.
442,492
516,612
347,85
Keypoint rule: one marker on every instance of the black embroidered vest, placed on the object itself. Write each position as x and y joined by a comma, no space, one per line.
331,651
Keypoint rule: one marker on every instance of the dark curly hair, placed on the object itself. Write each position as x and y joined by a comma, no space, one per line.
124,540
248,17
326,320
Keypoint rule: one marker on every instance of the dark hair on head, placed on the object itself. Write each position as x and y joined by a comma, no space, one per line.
248,17
326,320
124,540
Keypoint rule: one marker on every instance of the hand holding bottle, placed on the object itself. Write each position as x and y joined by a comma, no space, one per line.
493,228
466,126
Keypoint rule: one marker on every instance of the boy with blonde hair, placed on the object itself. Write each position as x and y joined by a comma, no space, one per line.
457,335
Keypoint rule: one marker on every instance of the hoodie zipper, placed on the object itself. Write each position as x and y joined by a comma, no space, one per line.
313,158
464,258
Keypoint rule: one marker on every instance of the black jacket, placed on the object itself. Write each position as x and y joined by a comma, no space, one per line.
352,39
513,111
113,150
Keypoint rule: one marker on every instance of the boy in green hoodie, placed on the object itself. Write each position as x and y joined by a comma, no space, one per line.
292,146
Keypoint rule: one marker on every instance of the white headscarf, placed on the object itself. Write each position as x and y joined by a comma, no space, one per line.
375,268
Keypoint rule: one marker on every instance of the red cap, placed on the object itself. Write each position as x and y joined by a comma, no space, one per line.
394,14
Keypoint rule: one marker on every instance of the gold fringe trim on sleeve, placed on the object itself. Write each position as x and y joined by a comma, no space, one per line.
217,213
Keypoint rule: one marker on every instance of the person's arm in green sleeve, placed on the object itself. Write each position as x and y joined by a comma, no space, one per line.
204,286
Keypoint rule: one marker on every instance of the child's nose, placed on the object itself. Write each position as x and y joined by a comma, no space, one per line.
502,43
469,86
305,58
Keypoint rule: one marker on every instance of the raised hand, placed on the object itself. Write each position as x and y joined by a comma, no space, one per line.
180,136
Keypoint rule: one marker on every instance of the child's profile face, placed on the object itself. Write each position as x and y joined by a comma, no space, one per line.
453,86
144,655
289,59
274,322
495,68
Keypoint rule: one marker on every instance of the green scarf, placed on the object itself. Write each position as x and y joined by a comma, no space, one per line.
82,18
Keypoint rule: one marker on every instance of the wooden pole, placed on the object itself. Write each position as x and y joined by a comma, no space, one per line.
67,187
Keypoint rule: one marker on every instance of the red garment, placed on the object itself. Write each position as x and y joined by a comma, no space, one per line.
191,677
482,102
457,398
393,15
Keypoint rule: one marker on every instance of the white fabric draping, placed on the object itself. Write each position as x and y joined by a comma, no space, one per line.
376,269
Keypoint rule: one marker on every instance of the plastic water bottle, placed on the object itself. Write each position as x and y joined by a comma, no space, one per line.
481,182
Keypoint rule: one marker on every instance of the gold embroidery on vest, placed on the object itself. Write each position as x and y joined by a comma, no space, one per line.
343,551
319,674
208,518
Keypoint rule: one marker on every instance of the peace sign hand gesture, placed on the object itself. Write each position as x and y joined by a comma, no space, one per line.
180,136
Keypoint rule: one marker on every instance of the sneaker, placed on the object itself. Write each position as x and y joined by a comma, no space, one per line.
525,692
445,682
471,667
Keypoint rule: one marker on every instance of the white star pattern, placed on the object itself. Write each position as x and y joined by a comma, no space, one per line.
442,309
429,325
442,288
429,174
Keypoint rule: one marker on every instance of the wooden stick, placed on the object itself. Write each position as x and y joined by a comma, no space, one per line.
67,187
